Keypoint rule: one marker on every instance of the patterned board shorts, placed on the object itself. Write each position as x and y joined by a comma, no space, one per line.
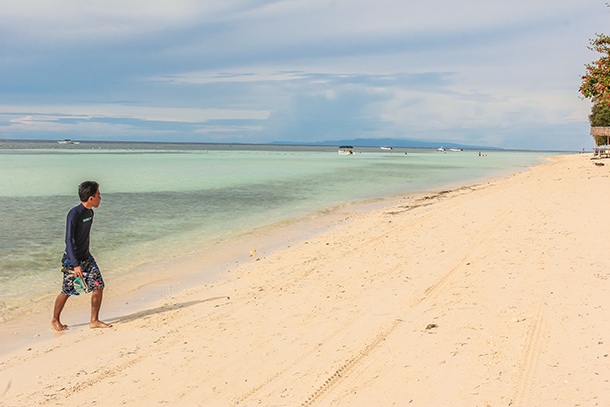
91,276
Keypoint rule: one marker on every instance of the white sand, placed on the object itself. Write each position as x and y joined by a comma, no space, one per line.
495,294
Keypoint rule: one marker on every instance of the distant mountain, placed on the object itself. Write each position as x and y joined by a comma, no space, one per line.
390,142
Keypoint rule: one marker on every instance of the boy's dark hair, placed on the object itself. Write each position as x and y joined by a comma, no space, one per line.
87,189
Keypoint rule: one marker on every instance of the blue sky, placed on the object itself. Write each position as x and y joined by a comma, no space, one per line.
478,72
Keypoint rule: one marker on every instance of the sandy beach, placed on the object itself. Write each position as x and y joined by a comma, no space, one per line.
494,294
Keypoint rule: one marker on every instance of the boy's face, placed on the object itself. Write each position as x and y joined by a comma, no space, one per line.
95,200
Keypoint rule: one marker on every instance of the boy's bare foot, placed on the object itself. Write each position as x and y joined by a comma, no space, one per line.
58,326
99,324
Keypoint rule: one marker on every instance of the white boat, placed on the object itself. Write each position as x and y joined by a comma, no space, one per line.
346,150
67,141
441,149
386,148
456,149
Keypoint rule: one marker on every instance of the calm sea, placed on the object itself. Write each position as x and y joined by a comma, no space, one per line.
160,201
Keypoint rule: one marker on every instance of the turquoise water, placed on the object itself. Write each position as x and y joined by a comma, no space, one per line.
159,203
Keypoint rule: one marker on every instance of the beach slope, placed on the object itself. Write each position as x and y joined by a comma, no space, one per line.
493,294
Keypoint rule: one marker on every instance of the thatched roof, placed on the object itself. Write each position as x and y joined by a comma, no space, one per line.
600,131
601,135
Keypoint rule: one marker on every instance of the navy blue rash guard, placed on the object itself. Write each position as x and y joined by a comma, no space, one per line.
78,226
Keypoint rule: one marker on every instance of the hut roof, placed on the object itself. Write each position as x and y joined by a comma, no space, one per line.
600,131
601,136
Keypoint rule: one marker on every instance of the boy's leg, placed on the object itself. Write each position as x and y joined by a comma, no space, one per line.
95,283
67,289
60,301
96,304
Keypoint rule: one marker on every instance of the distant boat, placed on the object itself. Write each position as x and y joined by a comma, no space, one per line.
67,141
456,149
386,148
441,149
346,150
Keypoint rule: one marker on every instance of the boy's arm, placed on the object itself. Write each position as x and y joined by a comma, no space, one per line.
70,243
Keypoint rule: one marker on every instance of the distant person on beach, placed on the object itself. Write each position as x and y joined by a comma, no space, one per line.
80,272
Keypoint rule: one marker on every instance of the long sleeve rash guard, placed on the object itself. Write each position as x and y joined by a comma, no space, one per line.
78,227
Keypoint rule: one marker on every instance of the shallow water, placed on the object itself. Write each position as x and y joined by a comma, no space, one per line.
161,201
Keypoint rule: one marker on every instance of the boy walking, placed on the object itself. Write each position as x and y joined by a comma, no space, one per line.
78,265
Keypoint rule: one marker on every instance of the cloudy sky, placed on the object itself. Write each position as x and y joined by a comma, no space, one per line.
501,73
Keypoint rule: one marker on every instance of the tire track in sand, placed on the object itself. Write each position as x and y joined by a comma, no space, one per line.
349,365
342,370
521,395
430,293
357,357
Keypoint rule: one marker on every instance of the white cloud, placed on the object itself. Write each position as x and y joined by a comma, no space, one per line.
275,22
228,129
40,125
38,118
77,20
112,111
235,75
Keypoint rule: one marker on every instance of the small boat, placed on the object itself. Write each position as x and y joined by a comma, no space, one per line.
386,148
441,149
456,149
346,150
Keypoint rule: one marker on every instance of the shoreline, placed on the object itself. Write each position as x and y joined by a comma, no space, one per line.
218,258
493,292
29,327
